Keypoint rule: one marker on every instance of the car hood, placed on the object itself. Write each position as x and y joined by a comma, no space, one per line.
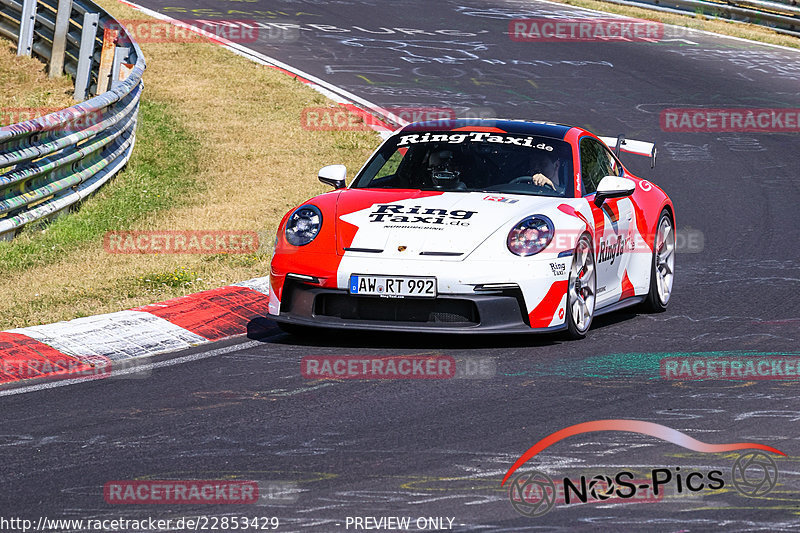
426,224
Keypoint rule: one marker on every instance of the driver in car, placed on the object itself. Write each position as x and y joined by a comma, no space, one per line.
544,171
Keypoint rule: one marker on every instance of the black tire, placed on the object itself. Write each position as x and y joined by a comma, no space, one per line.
655,302
574,331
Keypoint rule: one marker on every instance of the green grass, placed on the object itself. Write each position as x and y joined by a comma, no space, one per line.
158,176
180,277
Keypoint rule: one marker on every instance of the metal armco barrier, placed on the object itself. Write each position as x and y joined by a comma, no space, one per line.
50,163
782,16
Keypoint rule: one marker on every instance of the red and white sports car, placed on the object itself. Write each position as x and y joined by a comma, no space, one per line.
487,226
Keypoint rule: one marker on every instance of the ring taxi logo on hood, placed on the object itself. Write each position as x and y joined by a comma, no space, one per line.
416,214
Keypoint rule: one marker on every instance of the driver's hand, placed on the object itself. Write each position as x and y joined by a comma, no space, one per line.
541,180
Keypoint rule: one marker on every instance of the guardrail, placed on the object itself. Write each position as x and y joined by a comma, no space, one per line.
50,163
782,16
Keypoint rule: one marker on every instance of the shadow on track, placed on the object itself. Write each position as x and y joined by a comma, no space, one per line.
266,330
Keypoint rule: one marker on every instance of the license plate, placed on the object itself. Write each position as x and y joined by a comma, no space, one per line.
393,286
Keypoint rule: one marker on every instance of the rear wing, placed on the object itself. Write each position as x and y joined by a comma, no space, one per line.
620,143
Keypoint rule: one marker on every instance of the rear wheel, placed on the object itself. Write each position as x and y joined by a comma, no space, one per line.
581,290
662,269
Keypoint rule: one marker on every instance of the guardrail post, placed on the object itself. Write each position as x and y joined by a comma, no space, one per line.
107,55
120,56
56,67
26,24
85,55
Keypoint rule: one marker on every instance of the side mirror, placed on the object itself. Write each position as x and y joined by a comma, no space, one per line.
613,187
333,175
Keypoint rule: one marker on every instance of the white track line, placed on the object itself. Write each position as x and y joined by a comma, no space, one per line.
139,368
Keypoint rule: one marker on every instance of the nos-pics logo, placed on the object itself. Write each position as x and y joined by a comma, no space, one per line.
534,493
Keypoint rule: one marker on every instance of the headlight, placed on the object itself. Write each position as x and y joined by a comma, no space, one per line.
303,225
531,235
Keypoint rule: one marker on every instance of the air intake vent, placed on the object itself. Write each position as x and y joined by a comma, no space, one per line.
397,310
364,250
442,254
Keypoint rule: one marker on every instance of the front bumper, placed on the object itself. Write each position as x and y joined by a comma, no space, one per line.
497,312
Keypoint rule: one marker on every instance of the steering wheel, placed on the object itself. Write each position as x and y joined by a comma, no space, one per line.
528,180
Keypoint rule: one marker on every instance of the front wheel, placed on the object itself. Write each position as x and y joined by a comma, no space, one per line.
581,290
662,269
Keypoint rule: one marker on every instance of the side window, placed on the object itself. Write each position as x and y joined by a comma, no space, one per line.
385,171
596,163
390,168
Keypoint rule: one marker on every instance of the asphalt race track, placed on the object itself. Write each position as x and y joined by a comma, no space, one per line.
439,448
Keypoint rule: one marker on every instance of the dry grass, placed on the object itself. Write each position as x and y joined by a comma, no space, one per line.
254,162
25,84
698,22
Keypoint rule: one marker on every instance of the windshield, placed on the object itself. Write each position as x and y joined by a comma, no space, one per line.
472,161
